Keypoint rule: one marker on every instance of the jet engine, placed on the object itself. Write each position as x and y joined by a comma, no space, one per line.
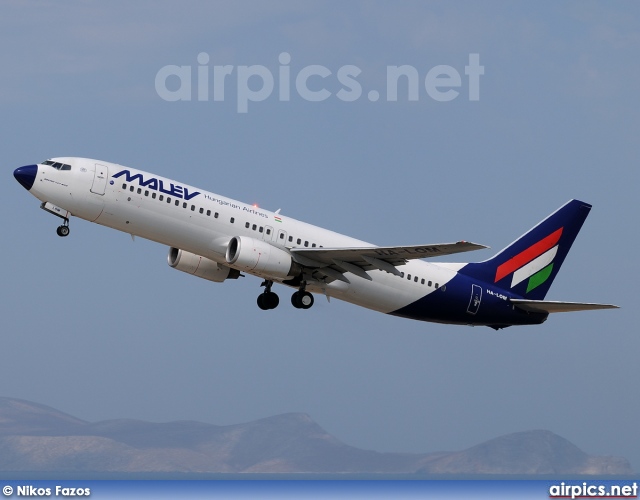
200,266
260,257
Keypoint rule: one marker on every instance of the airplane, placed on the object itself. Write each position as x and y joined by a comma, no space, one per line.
217,239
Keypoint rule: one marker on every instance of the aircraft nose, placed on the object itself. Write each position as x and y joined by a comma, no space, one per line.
26,175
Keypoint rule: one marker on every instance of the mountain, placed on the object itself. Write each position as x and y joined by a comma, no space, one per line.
35,437
530,452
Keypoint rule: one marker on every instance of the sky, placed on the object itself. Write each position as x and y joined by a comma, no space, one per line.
99,326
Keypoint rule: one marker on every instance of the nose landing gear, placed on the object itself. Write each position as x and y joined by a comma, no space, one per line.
64,229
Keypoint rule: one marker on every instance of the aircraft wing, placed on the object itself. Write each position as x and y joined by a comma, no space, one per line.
336,261
552,306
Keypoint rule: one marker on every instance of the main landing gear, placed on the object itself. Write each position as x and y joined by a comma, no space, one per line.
302,299
64,229
270,300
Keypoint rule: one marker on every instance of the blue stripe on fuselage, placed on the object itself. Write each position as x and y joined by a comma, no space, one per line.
450,304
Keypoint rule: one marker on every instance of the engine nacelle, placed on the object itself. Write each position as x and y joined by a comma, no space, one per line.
260,257
200,266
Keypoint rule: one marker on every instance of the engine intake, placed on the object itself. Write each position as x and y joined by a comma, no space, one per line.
260,257
201,267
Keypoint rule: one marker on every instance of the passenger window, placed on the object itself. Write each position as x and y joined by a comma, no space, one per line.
233,220
437,286
184,205
161,197
153,195
415,279
268,231
298,241
247,225
201,210
139,190
215,216
422,281
429,283
290,239
402,275
282,236
306,243
124,186
254,227
313,245
131,189
208,213
261,229
177,203
193,208
409,277
168,199
146,193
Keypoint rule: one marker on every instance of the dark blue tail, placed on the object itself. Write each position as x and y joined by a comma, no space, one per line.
529,265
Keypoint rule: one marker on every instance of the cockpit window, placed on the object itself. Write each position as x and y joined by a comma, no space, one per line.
57,165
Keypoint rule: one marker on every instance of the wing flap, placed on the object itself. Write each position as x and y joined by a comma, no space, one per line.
391,255
552,306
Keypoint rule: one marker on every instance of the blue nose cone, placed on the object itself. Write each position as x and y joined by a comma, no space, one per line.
26,175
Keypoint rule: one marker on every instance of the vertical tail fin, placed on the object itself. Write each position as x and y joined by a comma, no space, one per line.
528,266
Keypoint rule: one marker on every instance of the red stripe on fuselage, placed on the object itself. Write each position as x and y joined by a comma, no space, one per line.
527,255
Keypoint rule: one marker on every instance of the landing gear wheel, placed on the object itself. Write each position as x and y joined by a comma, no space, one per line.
268,300
261,302
272,300
63,231
302,300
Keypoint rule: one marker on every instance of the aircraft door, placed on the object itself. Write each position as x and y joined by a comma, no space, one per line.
282,238
268,234
476,298
100,179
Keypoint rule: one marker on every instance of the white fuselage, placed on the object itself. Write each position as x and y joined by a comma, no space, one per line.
171,213
216,238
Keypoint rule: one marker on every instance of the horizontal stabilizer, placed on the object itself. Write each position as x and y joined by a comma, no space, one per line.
552,306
